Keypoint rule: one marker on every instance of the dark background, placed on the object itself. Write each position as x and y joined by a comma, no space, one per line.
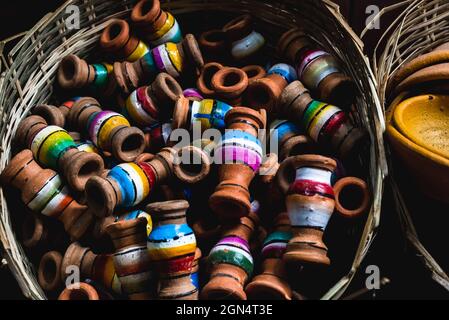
396,260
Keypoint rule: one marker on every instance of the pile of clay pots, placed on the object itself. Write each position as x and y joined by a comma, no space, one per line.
117,210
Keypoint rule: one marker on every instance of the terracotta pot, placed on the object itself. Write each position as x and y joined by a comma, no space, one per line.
326,124
229,84
245,41
254,72
317,69
54,148
79,291
191,164
156,25
76,73
99,268
310,203
49,272
128,184
171,247
43,191
40,234
146,106
271,284
207,113
192,94
108,130
230,262
131,259
204,81
288,139
240,155
186,59
117,40
265,92
214,46
157,137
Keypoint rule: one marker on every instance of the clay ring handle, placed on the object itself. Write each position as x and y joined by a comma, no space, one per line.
181,170
358,191
286,174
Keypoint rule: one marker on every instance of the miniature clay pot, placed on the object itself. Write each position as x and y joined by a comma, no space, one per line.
229,84
265,92
145,106
49,272
287,137
191,164
131,259
99,268
326,124
157,25
213,44
317,69
108,130
79,291
186,59
204,81
54,148
271,283
117,40
76,73
171,247
245,41
43,191
240,155
207,113
230,262
433,181
192,94
254,72
311,201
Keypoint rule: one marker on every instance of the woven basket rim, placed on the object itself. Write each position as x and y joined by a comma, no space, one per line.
11,247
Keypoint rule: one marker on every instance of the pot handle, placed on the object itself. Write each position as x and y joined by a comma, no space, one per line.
358,192
286,174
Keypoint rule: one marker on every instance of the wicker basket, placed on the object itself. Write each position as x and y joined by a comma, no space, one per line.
29,71
420,26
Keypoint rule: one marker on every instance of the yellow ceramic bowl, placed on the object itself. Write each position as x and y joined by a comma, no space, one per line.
425,121
429,169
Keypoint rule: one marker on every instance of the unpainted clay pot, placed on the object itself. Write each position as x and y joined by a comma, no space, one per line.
229,84
240,155
131,258
186,60
117,40
76,73
310,204
245,41
49,271
230,262
317,69
156,25
108,130
271,283
54,148
79,291
214,46
326,124
148,105
207,113
171,247
43,191
99,268
204,81
265,92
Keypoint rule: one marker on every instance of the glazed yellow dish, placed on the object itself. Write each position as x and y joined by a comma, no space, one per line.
425,121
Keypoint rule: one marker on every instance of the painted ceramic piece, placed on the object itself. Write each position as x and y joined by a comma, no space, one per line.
193,94
171,247
43,191
109,131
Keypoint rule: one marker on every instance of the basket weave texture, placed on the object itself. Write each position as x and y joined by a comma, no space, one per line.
29,71
420,27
